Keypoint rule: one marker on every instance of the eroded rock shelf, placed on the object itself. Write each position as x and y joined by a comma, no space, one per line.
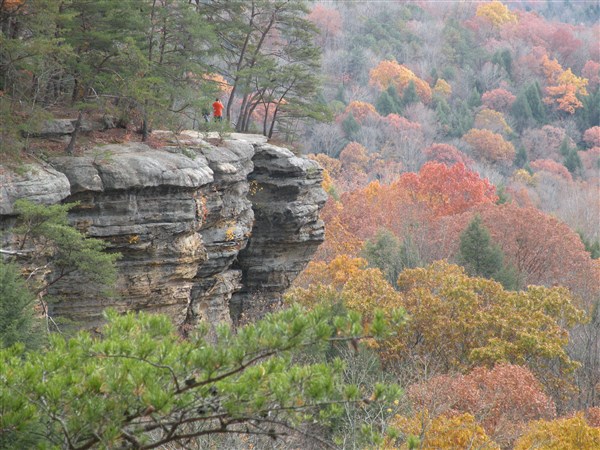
201,227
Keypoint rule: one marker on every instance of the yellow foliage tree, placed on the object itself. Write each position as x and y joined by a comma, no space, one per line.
561,434
389,72
442,433
443,88
496,12
489,119
464,321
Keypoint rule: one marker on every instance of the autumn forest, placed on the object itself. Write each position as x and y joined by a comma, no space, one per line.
455,300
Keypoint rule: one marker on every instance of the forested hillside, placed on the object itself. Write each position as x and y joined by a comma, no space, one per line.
455,302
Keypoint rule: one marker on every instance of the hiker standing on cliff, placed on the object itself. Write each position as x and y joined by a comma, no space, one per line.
218,110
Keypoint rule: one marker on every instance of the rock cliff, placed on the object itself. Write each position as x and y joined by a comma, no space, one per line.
199,226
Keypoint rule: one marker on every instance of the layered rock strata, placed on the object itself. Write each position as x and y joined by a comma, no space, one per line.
195,223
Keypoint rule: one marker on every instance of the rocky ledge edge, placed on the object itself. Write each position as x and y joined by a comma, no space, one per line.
205,230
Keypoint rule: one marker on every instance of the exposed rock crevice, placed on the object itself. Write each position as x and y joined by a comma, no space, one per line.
199,226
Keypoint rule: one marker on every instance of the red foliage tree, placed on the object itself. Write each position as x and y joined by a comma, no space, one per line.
592,137
502,399
329,22
591,71
550,166
498,99
447,154
544,250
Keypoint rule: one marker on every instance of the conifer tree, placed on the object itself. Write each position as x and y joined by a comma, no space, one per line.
409,96
384,104
17,322
351,127
481,257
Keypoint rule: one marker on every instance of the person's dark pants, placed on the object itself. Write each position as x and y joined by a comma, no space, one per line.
219,118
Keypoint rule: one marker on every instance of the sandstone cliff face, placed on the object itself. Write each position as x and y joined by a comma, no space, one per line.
199,226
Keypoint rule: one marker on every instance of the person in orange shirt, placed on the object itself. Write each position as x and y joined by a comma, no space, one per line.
218,110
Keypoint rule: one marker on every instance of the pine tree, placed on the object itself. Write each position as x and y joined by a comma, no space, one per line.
137,384
521,157
350,127
521,111
534,98
409,96
481,257
384,104
386,252
474,100
17,322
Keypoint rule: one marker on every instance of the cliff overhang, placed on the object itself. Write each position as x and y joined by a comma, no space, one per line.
204,230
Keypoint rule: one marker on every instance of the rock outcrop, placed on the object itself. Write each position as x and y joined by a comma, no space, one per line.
198,225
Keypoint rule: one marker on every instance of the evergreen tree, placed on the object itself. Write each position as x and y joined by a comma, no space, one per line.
565,148
386,252
534,98
589,115
409,96
481,257
593,247
17,322
137,384
521,111
504,59
384,104
350,127
461,119
474,100
521,157
443,113
573,161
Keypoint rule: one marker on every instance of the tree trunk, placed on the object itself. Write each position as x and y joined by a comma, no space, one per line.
71,146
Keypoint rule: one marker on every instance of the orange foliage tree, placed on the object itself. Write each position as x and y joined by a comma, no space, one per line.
551,166
592,136
389,72
489,145
503,399
409,204
360,110
564,86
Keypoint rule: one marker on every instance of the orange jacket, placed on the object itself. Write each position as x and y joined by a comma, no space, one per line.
217,108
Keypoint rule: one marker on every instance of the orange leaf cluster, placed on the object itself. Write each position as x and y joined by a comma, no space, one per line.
490,145
389,72
361,111
446,154
564,86
502,400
